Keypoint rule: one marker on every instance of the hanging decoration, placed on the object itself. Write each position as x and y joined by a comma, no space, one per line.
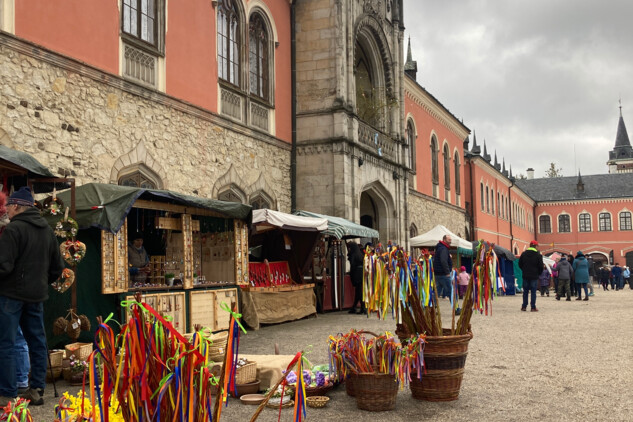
73,251
65,281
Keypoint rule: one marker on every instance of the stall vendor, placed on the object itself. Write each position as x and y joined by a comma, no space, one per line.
138,259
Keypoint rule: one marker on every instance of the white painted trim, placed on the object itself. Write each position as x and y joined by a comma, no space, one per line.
571,227
620,221
7,16
590,221
259,4
605,211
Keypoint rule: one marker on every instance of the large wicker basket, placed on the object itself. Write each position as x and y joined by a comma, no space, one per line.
444,358
350,383
319,391
375,392
246,373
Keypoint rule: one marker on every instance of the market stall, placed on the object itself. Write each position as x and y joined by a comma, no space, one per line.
506,268
276,291
197,253
334,287
459,247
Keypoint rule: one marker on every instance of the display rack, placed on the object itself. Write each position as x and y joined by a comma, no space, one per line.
169,305
205,308
157,267
114,268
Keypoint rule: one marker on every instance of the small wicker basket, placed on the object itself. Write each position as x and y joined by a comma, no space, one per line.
317,401
80,350
56,358
246,373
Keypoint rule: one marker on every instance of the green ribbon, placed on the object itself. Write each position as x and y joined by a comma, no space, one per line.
235,315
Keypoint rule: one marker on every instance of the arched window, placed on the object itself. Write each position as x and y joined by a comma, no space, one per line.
411,143
564,223
258,56
492,200
604,222
447,168
137,180
413,231
487,199
584,222
228,41
232,194
625,220
140,20
435,171
260,201
483,200
545,224
457,178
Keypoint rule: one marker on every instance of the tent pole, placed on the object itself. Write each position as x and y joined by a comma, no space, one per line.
335,254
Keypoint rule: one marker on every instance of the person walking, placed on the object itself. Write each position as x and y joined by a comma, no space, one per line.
29,261
572,283
581,275
355,258
443,266
463,278
616,271
603,273
531,264
565,272
626,274
544,281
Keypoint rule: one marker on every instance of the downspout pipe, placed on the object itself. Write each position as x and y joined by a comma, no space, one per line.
293,108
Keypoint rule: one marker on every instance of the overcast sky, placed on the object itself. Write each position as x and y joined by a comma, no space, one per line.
536,79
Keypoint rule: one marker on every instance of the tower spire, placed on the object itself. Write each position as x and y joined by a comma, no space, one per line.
411,66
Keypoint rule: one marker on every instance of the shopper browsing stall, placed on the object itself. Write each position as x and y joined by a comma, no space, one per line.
138,259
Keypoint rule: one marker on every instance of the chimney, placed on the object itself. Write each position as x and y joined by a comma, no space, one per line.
530,173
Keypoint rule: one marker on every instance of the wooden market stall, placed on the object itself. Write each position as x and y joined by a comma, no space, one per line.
202,242
276,291
460,247
334,286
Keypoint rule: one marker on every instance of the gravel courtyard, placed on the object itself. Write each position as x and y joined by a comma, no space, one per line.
571,361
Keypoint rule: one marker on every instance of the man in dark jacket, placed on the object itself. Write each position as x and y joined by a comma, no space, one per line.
443,266
29,261
531,264
565,271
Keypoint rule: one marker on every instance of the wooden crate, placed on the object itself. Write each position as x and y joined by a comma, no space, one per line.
202,309
167,305
223,318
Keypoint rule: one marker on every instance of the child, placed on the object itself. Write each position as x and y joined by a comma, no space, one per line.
462,279
543,280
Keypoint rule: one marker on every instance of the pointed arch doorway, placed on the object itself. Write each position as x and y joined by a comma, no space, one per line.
376,209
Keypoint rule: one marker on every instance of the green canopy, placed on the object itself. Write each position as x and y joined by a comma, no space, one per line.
340,227
23,160
105,206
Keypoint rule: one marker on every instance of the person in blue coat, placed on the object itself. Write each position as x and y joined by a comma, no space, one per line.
581,274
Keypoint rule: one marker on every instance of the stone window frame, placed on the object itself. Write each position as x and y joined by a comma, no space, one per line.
628,225
558,223
261,197
584,226
481,195
435,165
411,136
229,12
605,221
143,171
545,224
457,171
227,193
158,46
413,231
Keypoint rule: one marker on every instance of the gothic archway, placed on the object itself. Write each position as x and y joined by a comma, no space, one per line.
377,210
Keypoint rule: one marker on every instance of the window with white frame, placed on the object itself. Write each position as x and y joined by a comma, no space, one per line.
564,223
604,222
434,161
625,220
228,24
584,222
258,46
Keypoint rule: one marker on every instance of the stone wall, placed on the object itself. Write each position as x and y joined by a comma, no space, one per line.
82,123
426,212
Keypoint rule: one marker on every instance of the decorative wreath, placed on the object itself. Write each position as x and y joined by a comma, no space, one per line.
73,251
65,281
52,206
66,228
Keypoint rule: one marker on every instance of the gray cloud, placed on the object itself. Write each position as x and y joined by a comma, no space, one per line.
536,79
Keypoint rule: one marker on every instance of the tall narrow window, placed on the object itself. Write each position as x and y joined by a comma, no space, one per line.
625,220
447,168
458,187
483,200
604,222
487,199
492,200
139,20
545,224
564,223
434,164
258,56
411,142
228,42
584,222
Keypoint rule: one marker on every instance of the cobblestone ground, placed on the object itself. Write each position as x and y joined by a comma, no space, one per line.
571,361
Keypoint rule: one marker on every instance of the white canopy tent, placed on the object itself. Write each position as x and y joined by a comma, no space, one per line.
430,239
266,219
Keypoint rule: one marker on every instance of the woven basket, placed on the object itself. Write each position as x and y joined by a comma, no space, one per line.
80,350
85,323
444,358
319,391
290,403
59,326
56,358
375,392
317,401
220,339
350,384
246,373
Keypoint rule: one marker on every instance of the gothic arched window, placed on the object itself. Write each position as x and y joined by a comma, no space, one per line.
228,41
258,56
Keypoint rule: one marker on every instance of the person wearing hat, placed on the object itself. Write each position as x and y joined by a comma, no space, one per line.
29,261
531,264
138,259
581,274
462,281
